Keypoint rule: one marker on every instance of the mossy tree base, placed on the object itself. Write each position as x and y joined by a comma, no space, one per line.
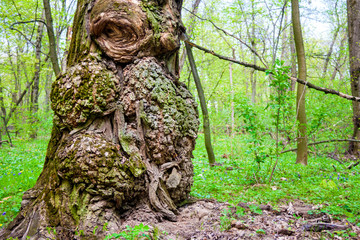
124,129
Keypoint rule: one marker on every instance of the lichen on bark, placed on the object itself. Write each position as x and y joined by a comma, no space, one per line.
124,126
87,90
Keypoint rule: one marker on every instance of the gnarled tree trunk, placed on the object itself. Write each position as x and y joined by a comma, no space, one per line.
124,127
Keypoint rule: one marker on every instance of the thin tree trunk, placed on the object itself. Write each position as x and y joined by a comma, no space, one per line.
232,101
2,110
48,82
51,35
340,59
328,55
232,105
284,41
189,30
353,16
206,121
301,156
35,87
3,116
293,58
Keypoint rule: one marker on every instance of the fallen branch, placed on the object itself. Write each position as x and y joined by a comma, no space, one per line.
318,227
326,141
332,156
253,66
353,165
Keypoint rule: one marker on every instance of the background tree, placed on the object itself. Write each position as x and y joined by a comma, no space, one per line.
51,35
206,121
302,148
353,14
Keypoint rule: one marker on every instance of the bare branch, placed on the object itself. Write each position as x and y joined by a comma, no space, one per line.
353,165
306,83
227,58
326,141
24,22
326,90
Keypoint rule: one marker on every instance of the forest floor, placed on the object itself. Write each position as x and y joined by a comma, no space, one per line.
209,219
238,199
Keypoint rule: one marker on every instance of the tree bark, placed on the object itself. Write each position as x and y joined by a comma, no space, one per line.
51,35
301,156
206,121
124,126
353,15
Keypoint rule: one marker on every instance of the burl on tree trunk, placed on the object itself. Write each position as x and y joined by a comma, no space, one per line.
124,126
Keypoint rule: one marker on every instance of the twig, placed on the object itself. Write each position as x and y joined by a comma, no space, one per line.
273,170
24,22
326,90
231,35
7,131
334,167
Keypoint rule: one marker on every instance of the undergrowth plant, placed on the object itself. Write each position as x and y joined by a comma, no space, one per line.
225,219
279,102
254,128
280,110
132,233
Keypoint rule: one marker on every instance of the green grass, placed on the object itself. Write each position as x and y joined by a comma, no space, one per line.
233,182
316,183
20,167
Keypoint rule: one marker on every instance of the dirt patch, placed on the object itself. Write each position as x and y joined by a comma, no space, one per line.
206,219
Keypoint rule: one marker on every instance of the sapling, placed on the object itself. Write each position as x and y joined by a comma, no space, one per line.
279,101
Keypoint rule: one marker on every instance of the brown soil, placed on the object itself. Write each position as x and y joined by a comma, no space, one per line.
201,220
